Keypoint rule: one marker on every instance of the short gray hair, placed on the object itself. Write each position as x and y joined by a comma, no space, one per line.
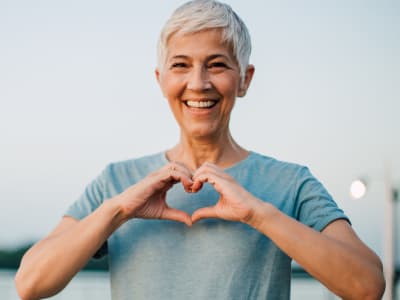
198,15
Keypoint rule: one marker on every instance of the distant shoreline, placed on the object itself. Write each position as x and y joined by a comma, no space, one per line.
10,260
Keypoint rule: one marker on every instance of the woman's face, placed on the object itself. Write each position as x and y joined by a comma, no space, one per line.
201,81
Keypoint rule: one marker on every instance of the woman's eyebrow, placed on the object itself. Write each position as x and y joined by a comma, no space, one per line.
180,56
218,55
211,57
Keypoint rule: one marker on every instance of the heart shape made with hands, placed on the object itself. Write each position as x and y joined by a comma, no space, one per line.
233,203
147,198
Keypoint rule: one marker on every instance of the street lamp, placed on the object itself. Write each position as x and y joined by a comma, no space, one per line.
358,189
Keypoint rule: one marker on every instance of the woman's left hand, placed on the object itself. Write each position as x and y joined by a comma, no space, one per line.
338,258
234,204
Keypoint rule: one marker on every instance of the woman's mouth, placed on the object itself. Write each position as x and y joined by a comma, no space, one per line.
201,104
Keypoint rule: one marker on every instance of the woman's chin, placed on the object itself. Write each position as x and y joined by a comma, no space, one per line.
202,132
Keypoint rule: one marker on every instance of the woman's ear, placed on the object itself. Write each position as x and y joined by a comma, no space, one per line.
248,76
157,73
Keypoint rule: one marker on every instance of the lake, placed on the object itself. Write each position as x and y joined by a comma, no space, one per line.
95,285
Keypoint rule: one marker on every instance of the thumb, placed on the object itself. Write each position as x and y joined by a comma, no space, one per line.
176,215
204,213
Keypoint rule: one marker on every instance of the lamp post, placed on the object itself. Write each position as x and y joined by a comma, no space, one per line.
358,189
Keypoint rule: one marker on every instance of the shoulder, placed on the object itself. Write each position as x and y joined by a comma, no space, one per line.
267,164
135,167
265,175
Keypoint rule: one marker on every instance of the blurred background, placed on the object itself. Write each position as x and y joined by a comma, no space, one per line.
77,91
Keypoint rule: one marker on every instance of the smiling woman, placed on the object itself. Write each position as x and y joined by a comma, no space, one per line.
206,219
201,80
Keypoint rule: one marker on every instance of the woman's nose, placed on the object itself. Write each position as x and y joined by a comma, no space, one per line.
198,79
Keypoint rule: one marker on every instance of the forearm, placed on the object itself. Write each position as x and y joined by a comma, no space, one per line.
49,265
350,272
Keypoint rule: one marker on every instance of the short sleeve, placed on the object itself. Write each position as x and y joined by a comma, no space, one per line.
89,201
315,207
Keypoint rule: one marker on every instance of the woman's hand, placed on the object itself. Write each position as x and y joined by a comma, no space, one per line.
147,198
234,204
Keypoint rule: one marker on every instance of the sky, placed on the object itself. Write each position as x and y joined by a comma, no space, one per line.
77,91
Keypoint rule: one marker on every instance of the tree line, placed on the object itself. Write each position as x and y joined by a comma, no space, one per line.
10,259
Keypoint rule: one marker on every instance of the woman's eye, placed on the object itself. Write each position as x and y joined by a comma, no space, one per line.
218,64
178,65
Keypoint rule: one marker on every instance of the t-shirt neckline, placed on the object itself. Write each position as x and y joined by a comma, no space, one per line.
165,160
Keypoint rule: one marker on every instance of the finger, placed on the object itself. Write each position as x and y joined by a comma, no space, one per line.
196,186
178,172
167,178
178,166
205,177
204,213
174,214
225,186
209,170
187,181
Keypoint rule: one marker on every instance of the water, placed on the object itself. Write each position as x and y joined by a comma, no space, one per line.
95,285
84,286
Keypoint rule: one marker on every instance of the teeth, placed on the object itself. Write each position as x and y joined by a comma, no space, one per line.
200,104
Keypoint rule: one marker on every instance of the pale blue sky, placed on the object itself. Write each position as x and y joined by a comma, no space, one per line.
77,90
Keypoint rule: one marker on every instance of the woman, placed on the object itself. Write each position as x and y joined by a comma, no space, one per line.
206,219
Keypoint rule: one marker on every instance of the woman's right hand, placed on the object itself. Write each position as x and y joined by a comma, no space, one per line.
80,239
147,198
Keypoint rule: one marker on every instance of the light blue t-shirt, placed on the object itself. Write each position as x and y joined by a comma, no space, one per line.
213,259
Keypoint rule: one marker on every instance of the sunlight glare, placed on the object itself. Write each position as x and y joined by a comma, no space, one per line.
358,189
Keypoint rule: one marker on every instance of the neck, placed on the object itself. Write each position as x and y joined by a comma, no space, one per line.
224,152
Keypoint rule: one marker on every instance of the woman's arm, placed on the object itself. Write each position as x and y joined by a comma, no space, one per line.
51,263
335,256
